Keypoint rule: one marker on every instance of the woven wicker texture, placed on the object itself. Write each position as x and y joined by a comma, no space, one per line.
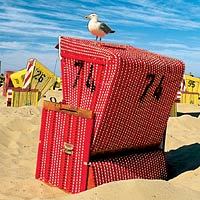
149,165
63,151
130,90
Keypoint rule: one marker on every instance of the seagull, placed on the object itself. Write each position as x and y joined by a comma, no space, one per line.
96,27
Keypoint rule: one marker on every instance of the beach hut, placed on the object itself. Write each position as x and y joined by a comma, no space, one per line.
129,93
189,90
38,77
192,92
28,85
17,97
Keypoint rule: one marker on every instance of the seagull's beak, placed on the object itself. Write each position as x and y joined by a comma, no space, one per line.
87,17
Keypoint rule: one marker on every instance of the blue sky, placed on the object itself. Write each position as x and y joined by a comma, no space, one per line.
30,28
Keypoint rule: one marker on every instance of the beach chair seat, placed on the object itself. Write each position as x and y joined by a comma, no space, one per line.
146,164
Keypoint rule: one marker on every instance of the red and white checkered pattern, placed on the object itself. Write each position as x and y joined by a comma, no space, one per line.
29,70
119,83
54,165
149,165
181,89
183,86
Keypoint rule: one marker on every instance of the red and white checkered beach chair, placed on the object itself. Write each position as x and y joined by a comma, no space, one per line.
112,121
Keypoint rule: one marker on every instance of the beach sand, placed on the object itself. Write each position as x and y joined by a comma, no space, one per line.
19,133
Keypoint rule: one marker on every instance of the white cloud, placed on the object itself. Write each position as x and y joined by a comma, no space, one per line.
13,45
24,22
150,13
178,46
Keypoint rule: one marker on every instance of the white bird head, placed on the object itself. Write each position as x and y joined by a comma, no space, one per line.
92,16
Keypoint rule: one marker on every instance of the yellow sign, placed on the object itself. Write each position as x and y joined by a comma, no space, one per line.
192,84
17,78
57,85
42,78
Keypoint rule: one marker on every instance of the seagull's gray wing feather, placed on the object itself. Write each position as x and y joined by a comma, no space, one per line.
106,28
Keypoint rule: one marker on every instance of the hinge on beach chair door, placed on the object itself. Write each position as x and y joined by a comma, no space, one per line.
68,148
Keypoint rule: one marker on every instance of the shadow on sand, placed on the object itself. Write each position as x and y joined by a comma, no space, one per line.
183,159
193,114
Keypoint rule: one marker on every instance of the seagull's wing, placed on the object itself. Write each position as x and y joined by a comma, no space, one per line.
105,28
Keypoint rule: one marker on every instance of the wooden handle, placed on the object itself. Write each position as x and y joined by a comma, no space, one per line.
59,107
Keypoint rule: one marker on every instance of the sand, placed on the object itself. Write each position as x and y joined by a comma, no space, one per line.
19,132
